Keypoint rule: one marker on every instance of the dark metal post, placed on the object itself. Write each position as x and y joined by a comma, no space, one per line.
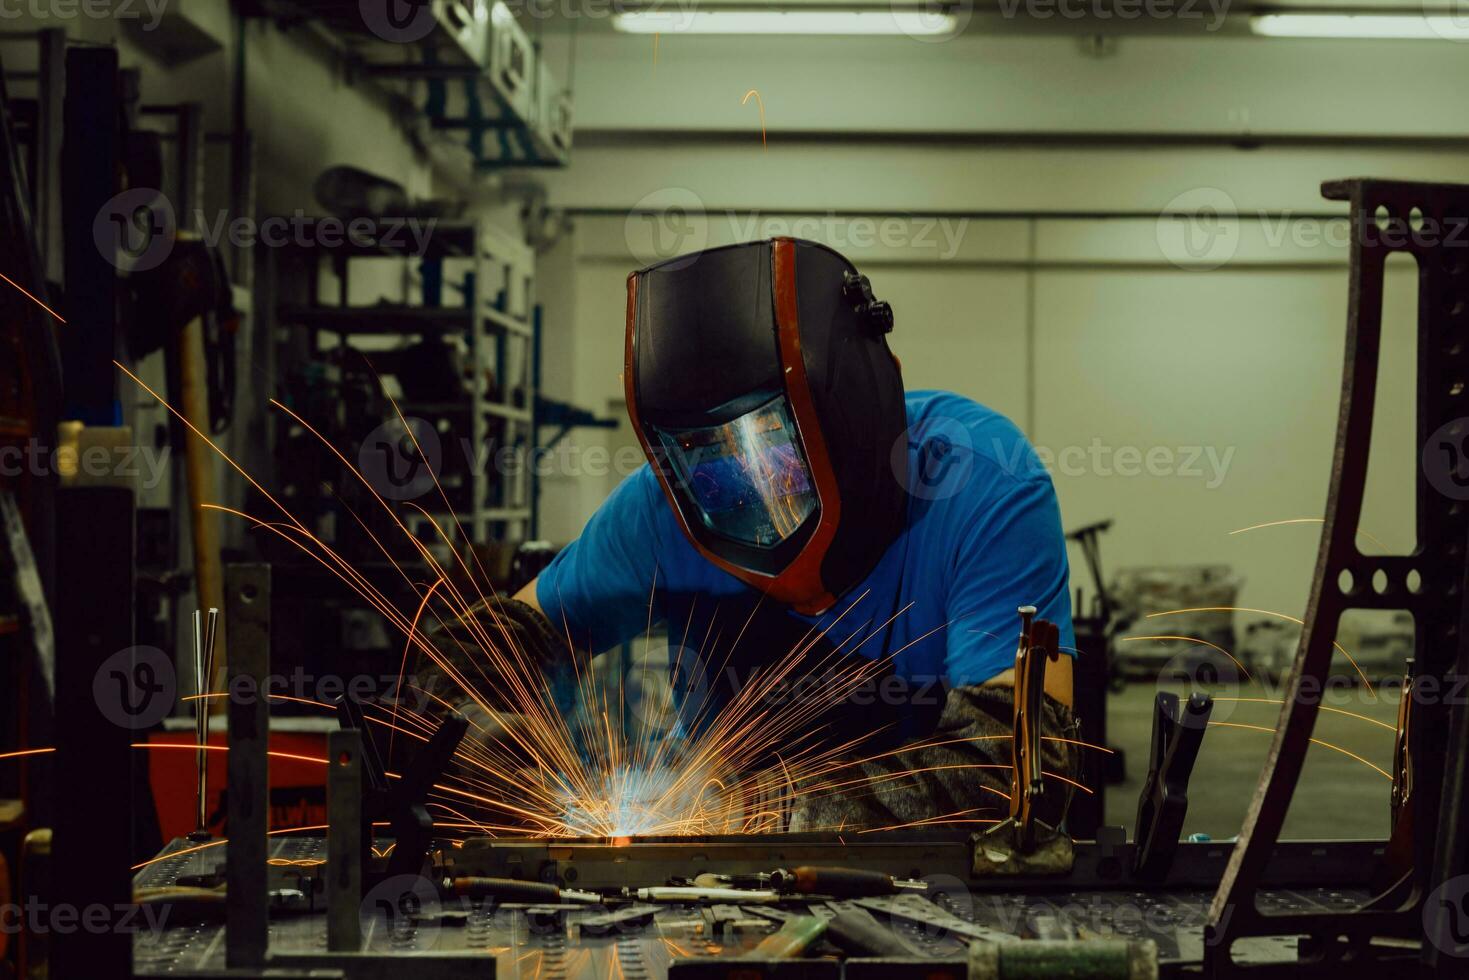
102,690
247,622
344,841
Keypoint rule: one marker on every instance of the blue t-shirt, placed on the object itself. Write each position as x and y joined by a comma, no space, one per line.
983,537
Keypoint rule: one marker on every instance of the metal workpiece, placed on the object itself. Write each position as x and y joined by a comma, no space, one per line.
247,625
1426,222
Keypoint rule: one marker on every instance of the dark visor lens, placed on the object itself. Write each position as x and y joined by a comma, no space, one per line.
747,478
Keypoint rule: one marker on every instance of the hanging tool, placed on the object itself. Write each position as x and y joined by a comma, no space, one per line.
204,636
1177,735
840,882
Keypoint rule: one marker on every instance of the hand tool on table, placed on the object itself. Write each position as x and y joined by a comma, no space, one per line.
1022,844
1178,731
672,893
515,890
839,882
1038,644
796,935
855,932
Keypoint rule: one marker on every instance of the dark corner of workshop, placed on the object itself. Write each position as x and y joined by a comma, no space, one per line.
734,489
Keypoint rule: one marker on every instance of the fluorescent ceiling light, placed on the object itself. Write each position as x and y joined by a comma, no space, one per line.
695,21
1387,26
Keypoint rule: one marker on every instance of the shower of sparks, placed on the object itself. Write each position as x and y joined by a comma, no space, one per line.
1278,615
1315,741
1320,707
1194,639
530,768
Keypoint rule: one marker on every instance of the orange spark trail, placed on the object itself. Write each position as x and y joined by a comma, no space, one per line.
1314,741
1195,639
1278,615
30,297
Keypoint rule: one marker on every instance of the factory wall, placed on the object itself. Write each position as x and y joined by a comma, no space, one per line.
1186,387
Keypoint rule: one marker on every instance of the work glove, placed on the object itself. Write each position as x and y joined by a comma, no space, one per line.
537,656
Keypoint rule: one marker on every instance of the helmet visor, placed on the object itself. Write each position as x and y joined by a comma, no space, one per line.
747,479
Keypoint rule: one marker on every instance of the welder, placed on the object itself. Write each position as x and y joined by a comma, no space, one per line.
794,490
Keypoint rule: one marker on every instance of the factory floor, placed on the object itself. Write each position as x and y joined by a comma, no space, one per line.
1338,797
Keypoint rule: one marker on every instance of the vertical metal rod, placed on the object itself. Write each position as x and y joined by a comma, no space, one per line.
50,86
247,621
344,841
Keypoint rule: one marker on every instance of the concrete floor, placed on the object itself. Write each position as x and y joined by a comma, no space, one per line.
1337,798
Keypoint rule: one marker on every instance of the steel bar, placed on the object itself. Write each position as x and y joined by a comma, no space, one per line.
344,841
247,623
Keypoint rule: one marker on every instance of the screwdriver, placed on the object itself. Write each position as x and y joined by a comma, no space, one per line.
514,890
840,882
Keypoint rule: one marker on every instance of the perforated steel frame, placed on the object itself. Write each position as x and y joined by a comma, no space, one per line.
1431,223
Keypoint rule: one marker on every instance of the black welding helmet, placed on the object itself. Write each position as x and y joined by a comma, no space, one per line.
761,386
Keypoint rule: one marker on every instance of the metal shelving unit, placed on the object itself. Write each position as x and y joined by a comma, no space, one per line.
494,279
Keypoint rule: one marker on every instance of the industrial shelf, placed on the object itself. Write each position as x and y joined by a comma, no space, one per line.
498,281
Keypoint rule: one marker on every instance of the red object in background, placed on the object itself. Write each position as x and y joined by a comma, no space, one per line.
297,786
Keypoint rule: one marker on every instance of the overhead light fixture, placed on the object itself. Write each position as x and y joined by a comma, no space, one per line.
915,22
1378,26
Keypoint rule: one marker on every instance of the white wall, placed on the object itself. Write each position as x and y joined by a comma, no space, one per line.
1084,329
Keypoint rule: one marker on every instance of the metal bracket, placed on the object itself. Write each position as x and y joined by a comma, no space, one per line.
1429,222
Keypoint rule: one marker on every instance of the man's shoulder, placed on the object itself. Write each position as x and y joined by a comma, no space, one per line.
942,424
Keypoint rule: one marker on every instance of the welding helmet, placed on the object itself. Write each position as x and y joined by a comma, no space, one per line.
761,386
